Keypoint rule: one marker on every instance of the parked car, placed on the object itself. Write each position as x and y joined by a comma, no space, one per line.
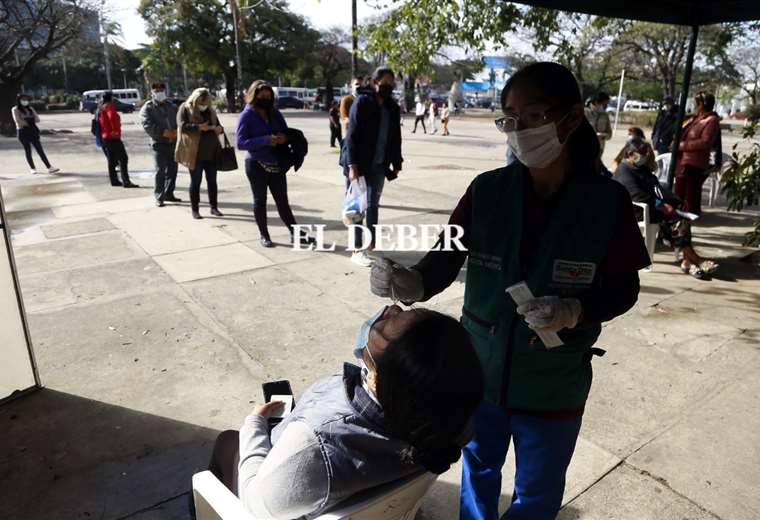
289,102
92,106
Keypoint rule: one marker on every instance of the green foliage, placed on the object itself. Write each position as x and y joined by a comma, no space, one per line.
414,31
741,182
199,34
753,113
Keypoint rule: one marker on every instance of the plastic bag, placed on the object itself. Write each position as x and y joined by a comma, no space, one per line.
355,203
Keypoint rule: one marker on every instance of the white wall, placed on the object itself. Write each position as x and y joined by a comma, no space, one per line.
15,364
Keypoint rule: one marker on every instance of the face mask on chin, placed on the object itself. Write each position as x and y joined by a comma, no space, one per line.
535,147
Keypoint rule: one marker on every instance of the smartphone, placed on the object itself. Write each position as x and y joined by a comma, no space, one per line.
274,388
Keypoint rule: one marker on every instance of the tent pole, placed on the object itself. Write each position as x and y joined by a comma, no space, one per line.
620,95
682,102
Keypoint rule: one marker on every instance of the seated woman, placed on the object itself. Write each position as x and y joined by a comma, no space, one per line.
635,173
637,132
407,410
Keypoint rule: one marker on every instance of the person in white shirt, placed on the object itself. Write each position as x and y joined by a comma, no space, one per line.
433,114
407,410
419,114
28,134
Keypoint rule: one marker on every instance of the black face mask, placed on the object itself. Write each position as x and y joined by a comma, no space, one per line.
263,103
385,91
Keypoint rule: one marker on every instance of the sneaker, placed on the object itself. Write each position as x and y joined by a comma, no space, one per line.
361,258
160,203
266,242
131,185
53,169
172,199
33,171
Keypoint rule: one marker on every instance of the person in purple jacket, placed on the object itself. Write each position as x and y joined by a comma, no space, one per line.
260,129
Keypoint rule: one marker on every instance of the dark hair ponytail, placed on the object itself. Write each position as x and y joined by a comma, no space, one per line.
429,383
558,86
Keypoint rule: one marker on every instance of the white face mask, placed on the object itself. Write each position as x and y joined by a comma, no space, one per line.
354,90
159,95
24,102
202,108
535,147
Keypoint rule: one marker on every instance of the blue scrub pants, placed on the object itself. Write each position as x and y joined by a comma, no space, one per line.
543,449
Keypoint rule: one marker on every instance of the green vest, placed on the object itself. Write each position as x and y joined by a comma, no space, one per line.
520,372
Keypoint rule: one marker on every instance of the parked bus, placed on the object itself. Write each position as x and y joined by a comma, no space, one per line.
92,98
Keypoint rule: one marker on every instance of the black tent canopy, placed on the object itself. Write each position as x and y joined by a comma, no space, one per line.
676,12
693,13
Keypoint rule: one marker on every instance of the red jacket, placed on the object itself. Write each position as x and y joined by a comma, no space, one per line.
699,135
110,122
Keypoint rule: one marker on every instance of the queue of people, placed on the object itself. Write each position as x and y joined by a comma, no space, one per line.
479,383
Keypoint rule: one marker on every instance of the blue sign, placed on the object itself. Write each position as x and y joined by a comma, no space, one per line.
496,62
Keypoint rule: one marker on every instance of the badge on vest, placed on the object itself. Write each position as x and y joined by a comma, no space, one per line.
573,273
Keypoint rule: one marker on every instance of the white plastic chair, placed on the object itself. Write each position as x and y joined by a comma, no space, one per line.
398,500
663,165
649,231
715,177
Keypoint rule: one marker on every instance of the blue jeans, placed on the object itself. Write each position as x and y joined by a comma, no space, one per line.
375,182
543,449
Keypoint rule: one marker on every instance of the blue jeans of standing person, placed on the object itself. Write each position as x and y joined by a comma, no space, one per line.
543,449
166,171
375,183
29,138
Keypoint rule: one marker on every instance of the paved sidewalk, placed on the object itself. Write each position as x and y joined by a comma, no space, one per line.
153,332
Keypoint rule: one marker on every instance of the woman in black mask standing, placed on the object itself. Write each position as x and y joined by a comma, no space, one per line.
26,120
261,128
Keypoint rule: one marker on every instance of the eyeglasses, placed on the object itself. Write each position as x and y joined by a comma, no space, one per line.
530,119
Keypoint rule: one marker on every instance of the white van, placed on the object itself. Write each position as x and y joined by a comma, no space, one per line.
638,106
92,98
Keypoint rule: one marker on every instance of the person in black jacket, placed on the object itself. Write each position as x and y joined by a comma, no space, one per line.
635,175
373,149
665,126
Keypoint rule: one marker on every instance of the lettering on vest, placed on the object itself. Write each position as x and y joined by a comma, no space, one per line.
484,260
566,272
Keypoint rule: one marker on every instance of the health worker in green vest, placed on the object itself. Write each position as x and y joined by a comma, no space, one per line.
553,250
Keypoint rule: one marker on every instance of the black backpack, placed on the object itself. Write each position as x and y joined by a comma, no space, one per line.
95,124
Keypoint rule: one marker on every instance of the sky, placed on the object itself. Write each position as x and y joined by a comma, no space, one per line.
323,14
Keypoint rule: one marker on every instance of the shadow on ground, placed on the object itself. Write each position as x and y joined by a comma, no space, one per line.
67,457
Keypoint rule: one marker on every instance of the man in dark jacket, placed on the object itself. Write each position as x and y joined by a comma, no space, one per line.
665,126
159,120
373,149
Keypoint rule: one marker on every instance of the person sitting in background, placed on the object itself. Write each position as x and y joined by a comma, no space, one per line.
406,411
636,132
636,175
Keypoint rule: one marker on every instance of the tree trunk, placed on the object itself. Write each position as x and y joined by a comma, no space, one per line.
328,92
8,93
229,84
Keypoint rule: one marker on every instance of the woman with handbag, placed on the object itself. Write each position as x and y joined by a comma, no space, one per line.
198,147
260,129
